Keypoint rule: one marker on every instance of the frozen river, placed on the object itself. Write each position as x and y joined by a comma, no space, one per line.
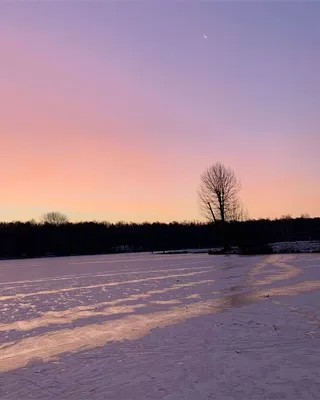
173,327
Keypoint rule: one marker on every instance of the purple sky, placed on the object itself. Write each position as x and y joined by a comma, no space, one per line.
111,110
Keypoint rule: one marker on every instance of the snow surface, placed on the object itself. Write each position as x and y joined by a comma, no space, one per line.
170,327
305,246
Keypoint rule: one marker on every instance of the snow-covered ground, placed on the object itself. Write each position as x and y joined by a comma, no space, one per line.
170,327
305,246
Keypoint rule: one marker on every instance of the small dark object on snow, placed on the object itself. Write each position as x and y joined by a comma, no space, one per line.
275,328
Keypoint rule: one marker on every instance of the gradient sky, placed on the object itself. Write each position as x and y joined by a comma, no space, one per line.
111,110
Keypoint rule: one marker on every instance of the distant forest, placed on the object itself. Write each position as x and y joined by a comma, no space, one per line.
31,239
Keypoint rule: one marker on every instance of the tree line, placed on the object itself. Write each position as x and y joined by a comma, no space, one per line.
30,239
227,225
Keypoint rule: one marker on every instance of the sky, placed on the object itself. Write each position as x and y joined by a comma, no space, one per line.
112,110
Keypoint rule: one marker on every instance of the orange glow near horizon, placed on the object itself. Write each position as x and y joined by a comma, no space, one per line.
108,124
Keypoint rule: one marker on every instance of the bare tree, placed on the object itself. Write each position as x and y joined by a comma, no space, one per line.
286,216
54,218
218,194
238,212
305,216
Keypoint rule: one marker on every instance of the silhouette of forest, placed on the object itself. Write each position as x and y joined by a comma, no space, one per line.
30,239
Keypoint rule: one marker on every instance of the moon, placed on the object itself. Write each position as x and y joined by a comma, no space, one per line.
205,36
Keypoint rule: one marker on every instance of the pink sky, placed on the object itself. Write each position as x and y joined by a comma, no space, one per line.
105,119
